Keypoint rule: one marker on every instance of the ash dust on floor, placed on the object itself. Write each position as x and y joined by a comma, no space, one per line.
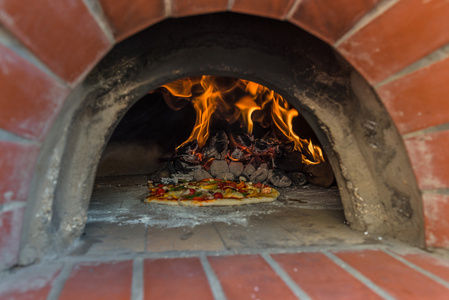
119,222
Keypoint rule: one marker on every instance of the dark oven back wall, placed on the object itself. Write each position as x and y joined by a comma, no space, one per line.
363,146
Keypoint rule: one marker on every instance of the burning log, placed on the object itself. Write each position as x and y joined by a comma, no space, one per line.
290,162
320,174
217,146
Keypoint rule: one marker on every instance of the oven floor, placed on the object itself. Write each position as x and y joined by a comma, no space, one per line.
119,222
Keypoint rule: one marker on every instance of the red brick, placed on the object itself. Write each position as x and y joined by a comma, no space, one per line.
394,277
111,280
330,19
178,278
31,98
429,160
436,220
400,36
437,266
63,34
16,170
267,8
195,7
321,278
249,277
10,228
418,100
29,284
129,17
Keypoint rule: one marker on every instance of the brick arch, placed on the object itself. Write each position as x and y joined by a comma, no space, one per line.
398,47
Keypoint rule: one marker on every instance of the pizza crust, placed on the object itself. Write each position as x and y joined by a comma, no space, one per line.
216,202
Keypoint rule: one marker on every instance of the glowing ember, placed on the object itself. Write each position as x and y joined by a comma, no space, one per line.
238,100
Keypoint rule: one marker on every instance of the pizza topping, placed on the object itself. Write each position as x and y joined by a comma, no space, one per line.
160,191
266,190
218,195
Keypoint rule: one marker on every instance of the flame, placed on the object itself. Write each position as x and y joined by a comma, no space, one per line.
247,106
213,96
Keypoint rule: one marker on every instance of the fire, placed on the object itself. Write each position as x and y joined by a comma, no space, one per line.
239,100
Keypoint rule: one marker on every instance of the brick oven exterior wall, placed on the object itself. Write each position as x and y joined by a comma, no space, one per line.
47,48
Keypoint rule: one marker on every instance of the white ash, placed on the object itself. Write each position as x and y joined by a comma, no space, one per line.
162,216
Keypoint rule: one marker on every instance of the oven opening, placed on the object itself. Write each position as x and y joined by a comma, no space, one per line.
229,133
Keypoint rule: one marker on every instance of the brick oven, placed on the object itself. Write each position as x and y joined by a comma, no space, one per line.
368,77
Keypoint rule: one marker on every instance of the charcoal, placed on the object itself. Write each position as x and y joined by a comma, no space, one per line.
291,162
259,176
191,158
248,170
263,166
219,167
191,168
279,178
179,167
237,154
236,168
320,174
200,174
217,146
260,148
188,148
243,140
298,178
226,176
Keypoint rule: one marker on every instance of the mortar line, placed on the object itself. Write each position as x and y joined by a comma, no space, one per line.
230,4
96,10
137,280
429,130
9,136
374,13
424,62
175,254
145,248
219,235
286,278
356,274
212,278
418,269
60,281
168,8
11,206
9,40
442,191
292,10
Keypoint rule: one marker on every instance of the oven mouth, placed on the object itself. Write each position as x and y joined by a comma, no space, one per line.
376,184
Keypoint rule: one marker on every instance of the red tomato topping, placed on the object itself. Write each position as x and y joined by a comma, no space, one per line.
218,196
192,191
160,191
198,198
160,185
258,185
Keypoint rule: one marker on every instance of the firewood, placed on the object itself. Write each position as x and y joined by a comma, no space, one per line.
320,174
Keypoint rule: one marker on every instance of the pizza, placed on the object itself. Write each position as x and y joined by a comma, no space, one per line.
209,192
